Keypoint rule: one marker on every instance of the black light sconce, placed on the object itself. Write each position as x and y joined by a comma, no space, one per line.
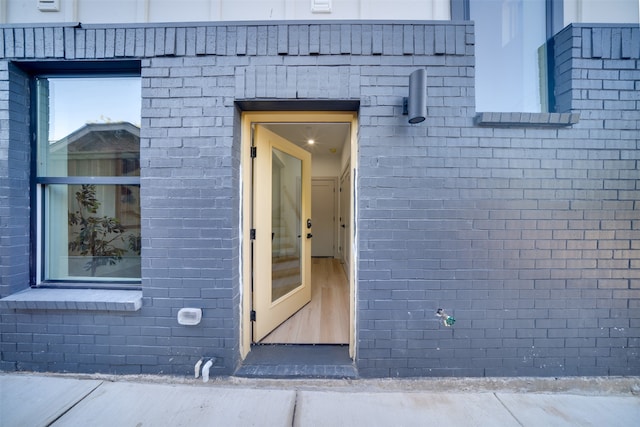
415,106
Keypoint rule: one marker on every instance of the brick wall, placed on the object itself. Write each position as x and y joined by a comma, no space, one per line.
527,235
190,207
14,194
14,179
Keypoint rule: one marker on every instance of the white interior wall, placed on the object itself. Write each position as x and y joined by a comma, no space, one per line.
325,166
328,166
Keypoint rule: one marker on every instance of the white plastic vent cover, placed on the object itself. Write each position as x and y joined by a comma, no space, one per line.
189,316
321,6
49,5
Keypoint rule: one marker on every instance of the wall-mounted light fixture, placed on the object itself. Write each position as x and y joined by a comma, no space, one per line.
415,106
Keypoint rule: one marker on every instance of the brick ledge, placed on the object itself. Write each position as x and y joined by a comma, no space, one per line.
527,119
74,299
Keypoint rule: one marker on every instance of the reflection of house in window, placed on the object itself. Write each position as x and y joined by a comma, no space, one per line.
106,149
101,149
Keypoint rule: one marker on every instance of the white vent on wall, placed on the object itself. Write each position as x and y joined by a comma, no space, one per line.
49,5
321,6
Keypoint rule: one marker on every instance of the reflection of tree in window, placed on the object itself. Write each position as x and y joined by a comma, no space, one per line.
99,238
110,149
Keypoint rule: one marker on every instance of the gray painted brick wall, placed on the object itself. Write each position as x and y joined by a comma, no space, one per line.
14,205
527,235
523,234
14,179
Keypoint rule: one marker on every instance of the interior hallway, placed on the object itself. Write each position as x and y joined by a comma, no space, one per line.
325,320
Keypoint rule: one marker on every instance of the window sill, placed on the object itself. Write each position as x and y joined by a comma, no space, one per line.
545,120
74,299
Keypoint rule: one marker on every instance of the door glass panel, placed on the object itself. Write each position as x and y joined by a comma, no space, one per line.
286,232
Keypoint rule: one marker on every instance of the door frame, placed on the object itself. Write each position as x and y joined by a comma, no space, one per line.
246,120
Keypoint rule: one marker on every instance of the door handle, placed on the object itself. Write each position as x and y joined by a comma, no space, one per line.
343,226
309,235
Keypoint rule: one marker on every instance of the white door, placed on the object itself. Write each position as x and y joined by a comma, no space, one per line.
323,195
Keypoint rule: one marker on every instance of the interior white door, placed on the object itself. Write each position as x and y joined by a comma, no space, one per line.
323,195
282,223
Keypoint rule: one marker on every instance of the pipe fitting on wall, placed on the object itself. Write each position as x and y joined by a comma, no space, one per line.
446,319
205,370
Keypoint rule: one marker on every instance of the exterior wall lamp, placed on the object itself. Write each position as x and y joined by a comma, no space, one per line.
415,106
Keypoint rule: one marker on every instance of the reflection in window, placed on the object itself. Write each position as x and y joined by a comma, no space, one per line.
286,211
88,169
510,55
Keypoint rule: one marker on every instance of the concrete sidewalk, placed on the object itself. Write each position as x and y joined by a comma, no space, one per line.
61,400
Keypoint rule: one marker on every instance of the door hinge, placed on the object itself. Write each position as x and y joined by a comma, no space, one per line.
252,234
252,316
254,152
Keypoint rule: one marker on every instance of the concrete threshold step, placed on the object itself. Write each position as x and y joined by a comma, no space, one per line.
298,361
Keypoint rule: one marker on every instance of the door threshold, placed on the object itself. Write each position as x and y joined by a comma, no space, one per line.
287,361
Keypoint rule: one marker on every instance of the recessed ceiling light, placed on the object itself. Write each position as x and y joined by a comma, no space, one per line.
311,142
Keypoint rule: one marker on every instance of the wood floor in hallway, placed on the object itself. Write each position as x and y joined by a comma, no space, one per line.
325,320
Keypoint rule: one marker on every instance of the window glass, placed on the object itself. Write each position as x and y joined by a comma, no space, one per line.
92,232
510,55
88,169
88,126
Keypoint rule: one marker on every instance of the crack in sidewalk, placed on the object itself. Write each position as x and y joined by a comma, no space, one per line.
507,408
295,407
65,412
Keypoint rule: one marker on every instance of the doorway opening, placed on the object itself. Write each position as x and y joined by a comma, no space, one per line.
297,279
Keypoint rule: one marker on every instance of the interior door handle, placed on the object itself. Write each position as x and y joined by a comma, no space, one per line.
309,235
